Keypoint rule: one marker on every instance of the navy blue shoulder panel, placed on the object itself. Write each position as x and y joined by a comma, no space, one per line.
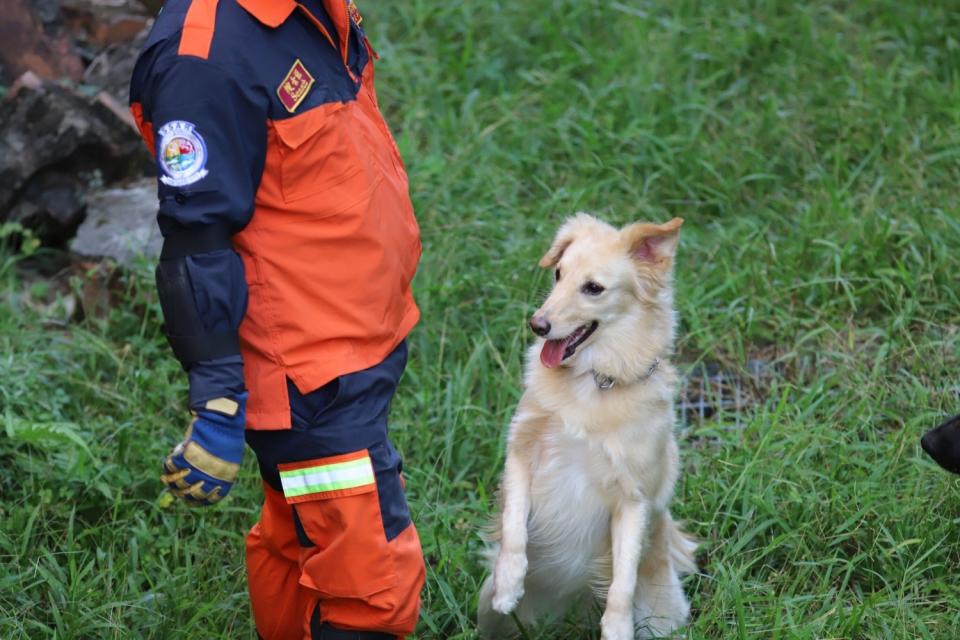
238,39
233,28
166,30
259,57
168,21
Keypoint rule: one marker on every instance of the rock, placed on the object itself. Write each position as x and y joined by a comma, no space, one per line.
60,289
45,290
47,12
52,206
111,68
29,80
100,287
32,40
121,28
121,224
116,111
51,135
95,25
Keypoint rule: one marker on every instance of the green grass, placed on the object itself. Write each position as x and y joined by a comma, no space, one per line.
814,149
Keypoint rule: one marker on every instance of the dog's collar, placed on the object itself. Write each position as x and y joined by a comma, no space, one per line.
605,382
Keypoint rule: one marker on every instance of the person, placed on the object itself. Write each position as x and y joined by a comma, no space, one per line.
289,247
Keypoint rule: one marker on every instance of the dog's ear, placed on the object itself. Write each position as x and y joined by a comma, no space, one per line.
555,252
565,235
652,244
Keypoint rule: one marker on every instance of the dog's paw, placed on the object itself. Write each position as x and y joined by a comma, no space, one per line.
508,577
615,625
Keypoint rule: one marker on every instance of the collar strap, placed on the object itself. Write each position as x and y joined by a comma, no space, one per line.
605,382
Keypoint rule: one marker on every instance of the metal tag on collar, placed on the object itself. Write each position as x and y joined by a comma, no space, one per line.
603,382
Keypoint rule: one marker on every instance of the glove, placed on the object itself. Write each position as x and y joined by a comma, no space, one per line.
201,469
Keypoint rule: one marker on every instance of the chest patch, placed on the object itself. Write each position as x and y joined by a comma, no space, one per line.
295,86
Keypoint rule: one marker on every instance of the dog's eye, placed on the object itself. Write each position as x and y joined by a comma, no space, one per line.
591,288
556,275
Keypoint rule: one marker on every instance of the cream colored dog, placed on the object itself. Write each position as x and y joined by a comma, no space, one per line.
591,456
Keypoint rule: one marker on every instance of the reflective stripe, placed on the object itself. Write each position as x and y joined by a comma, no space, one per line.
322,478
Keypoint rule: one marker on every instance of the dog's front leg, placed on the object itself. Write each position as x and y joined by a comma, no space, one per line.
511,565
628,528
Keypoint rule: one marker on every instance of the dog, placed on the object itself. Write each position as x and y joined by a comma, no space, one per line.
591,458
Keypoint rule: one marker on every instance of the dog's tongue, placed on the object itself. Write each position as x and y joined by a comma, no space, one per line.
552,353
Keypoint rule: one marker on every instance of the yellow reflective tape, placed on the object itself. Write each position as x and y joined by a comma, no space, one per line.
204,461
226,406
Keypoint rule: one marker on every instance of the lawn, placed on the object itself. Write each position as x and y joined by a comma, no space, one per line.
814,150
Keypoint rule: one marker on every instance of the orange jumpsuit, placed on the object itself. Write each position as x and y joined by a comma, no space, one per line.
290,246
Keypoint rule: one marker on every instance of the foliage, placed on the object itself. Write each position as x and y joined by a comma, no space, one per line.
812,148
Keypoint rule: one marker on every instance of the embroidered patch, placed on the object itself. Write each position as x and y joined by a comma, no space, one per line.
354,12
327,477
295,86
182,154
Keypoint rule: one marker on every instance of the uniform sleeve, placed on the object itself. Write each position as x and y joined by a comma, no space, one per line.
210,141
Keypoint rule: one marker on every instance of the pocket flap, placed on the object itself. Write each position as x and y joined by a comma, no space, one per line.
331,477
296,130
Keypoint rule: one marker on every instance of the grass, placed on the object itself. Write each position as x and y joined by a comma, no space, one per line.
812,147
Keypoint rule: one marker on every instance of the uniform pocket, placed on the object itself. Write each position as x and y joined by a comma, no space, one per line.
336,502
319,154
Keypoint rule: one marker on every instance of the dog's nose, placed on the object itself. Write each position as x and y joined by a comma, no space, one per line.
540,325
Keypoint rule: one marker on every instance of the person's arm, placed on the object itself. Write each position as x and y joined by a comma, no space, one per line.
210,139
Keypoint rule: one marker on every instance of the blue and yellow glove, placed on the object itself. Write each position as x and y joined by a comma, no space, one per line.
201,470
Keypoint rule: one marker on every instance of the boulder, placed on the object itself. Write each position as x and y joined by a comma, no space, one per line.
121,224
96,24
54,137
31,39
52,206
112,67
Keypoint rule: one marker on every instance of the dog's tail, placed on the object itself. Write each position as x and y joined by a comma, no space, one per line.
682,547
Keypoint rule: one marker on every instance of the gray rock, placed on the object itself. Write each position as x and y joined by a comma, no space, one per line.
112,68
121,224
32,38
52,135
49,125
52,205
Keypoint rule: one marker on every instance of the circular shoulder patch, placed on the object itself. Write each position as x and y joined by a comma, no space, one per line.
181,154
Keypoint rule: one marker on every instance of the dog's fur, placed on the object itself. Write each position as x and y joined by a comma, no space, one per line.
590,471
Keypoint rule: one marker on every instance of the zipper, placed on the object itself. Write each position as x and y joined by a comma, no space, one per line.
346,42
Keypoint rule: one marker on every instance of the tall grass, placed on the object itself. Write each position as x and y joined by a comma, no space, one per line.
813,149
